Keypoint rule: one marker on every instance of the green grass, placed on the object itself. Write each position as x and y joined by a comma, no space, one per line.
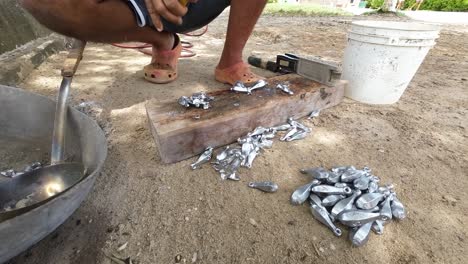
303,10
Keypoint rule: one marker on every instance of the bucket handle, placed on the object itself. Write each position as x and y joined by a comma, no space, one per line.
394,40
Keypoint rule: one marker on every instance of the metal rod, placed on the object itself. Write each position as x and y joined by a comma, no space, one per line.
58,137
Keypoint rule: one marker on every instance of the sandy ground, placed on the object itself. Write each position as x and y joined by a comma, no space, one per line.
168,211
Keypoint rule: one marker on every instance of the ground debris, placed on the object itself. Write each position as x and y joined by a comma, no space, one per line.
194,257
96,112
450,199
253,222
122,247
119,260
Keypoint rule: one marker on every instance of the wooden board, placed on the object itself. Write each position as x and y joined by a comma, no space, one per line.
179,135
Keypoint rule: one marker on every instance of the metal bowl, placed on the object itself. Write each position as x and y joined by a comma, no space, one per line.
30,117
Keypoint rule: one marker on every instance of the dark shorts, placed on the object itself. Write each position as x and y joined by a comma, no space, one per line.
198,15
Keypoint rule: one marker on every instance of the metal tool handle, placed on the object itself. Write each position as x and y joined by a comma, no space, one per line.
69,68
262,63
73,59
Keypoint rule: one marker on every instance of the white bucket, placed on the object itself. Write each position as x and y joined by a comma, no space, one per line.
382,57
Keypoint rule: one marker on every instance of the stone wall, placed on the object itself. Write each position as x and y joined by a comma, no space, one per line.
17,27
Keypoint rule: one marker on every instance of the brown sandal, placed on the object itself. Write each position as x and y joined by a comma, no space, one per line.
164,67
237,72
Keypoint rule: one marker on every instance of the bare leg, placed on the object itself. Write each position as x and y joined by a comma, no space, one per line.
242,19
95,20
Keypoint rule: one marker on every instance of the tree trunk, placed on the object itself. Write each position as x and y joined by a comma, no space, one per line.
389,5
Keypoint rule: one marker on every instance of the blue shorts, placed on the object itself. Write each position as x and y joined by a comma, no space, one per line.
198,15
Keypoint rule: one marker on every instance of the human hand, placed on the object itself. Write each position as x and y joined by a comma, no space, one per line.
171,10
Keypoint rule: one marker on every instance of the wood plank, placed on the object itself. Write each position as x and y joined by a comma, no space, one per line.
179,135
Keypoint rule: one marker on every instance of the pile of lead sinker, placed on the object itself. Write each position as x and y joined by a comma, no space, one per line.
351,197
230,159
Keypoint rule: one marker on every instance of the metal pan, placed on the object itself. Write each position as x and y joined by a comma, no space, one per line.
30,189
30,117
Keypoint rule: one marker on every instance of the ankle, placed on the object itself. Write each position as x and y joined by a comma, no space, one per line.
166,41
226,63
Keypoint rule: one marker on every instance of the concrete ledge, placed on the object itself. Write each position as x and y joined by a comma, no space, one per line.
16,65
17,26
